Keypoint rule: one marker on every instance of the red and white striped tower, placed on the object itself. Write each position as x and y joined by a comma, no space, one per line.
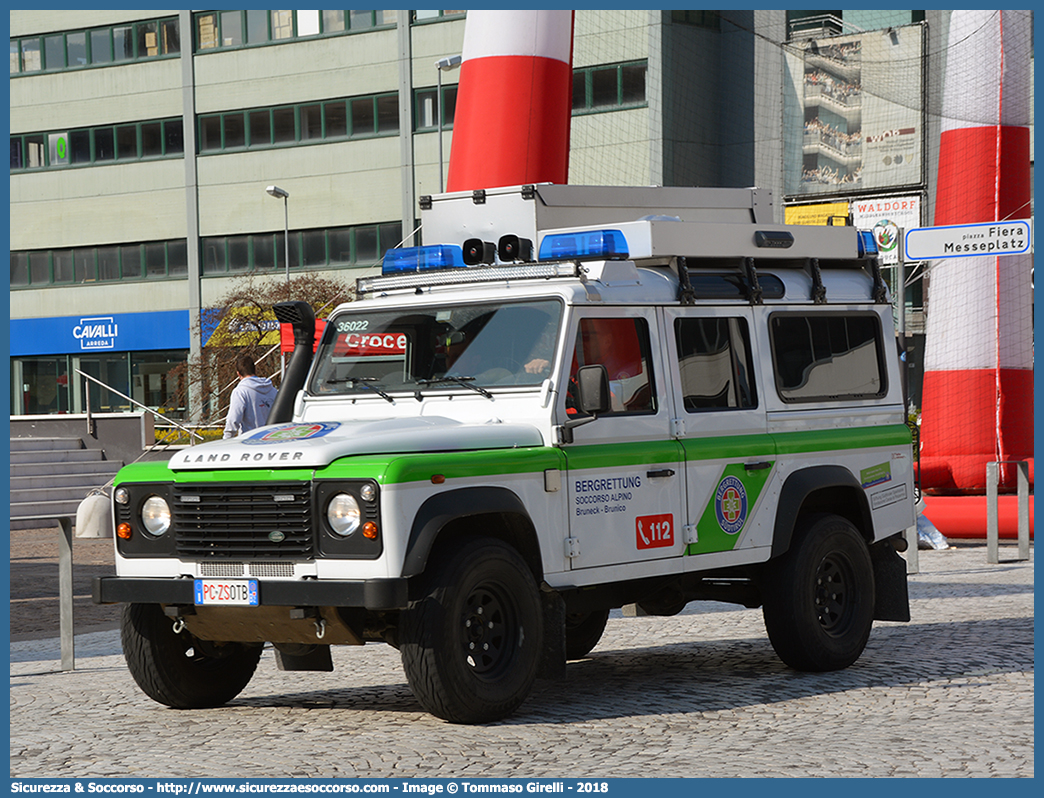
514,100
978,383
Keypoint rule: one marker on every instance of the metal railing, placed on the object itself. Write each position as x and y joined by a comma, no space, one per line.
90,418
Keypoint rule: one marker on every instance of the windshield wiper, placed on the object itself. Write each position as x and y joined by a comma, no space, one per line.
465,381
362,384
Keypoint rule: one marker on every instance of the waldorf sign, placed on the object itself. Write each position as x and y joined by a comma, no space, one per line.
968,240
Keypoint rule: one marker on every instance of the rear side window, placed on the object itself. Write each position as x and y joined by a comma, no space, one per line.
715,364
827,356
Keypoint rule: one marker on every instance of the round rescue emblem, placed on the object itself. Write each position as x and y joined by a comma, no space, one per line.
291,433
730,505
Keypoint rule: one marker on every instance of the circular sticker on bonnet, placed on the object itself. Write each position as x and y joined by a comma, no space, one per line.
730,505
292,433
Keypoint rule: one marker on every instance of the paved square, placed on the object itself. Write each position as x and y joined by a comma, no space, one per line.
701,694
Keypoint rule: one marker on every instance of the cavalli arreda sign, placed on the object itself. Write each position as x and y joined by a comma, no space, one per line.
97,332
968,240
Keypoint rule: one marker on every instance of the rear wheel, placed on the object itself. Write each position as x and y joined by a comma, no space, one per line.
175,668
471,645
819,596
583,631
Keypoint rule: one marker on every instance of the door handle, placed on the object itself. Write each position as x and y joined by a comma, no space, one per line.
757,466
663,472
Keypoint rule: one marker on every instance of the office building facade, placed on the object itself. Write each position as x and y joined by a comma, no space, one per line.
142,144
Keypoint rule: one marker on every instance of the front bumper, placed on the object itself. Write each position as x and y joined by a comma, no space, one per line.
370,594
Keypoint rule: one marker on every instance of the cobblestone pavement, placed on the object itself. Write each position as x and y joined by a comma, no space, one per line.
697,695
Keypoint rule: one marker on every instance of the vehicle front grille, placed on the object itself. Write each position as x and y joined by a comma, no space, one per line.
244,520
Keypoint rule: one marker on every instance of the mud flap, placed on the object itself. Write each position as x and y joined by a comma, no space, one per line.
892,602
553,662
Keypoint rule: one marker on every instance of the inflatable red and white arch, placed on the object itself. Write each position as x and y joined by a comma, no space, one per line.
514,100
978,385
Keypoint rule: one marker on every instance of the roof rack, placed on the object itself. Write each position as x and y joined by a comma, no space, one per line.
543,270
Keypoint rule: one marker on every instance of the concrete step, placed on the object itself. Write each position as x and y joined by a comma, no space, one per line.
48,508
57,456
63,480
44,444
39,496
51,468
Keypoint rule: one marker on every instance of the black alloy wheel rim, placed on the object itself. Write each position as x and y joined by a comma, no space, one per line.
488,640
833,602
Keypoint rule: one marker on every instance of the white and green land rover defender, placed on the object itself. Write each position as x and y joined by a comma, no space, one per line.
571,399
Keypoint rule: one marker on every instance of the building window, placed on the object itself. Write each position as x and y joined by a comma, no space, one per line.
153,260
336,247
41,385
160,138
222,30
435,16
376,115
95,47
609,87
699,19
425,107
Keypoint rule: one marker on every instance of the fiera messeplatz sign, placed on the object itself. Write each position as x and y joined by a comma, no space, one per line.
100,332
968,240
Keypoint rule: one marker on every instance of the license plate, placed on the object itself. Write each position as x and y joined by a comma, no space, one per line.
234,592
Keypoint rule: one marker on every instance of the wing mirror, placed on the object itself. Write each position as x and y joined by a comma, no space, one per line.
593,398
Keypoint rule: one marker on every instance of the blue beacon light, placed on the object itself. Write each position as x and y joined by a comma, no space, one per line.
867,243
405,260
588,244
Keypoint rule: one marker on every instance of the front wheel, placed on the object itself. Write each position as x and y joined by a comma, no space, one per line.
819,596
176,669
471,644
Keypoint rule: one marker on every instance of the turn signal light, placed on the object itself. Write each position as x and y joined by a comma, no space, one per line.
370,530
123,531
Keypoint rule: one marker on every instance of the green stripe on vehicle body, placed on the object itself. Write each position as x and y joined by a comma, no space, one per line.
392,469
406,468
388,469
728,448
842,438
618,455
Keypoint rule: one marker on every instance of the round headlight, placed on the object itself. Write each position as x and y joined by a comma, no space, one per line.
155,515
343,515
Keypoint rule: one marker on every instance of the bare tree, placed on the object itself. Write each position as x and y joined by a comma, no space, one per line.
243,321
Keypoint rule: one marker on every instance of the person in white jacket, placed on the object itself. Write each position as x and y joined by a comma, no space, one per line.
251,399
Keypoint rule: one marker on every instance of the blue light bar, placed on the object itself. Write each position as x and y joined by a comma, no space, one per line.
867,243
422,259
586,244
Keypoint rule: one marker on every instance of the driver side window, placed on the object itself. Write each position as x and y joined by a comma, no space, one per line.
622,346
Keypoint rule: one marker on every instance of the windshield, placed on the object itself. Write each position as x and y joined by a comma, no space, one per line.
472,347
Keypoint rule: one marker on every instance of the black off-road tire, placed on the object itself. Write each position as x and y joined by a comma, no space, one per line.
819,596
177,670
583,631
471,645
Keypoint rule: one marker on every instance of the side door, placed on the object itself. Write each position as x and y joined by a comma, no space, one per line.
731,471
624,469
